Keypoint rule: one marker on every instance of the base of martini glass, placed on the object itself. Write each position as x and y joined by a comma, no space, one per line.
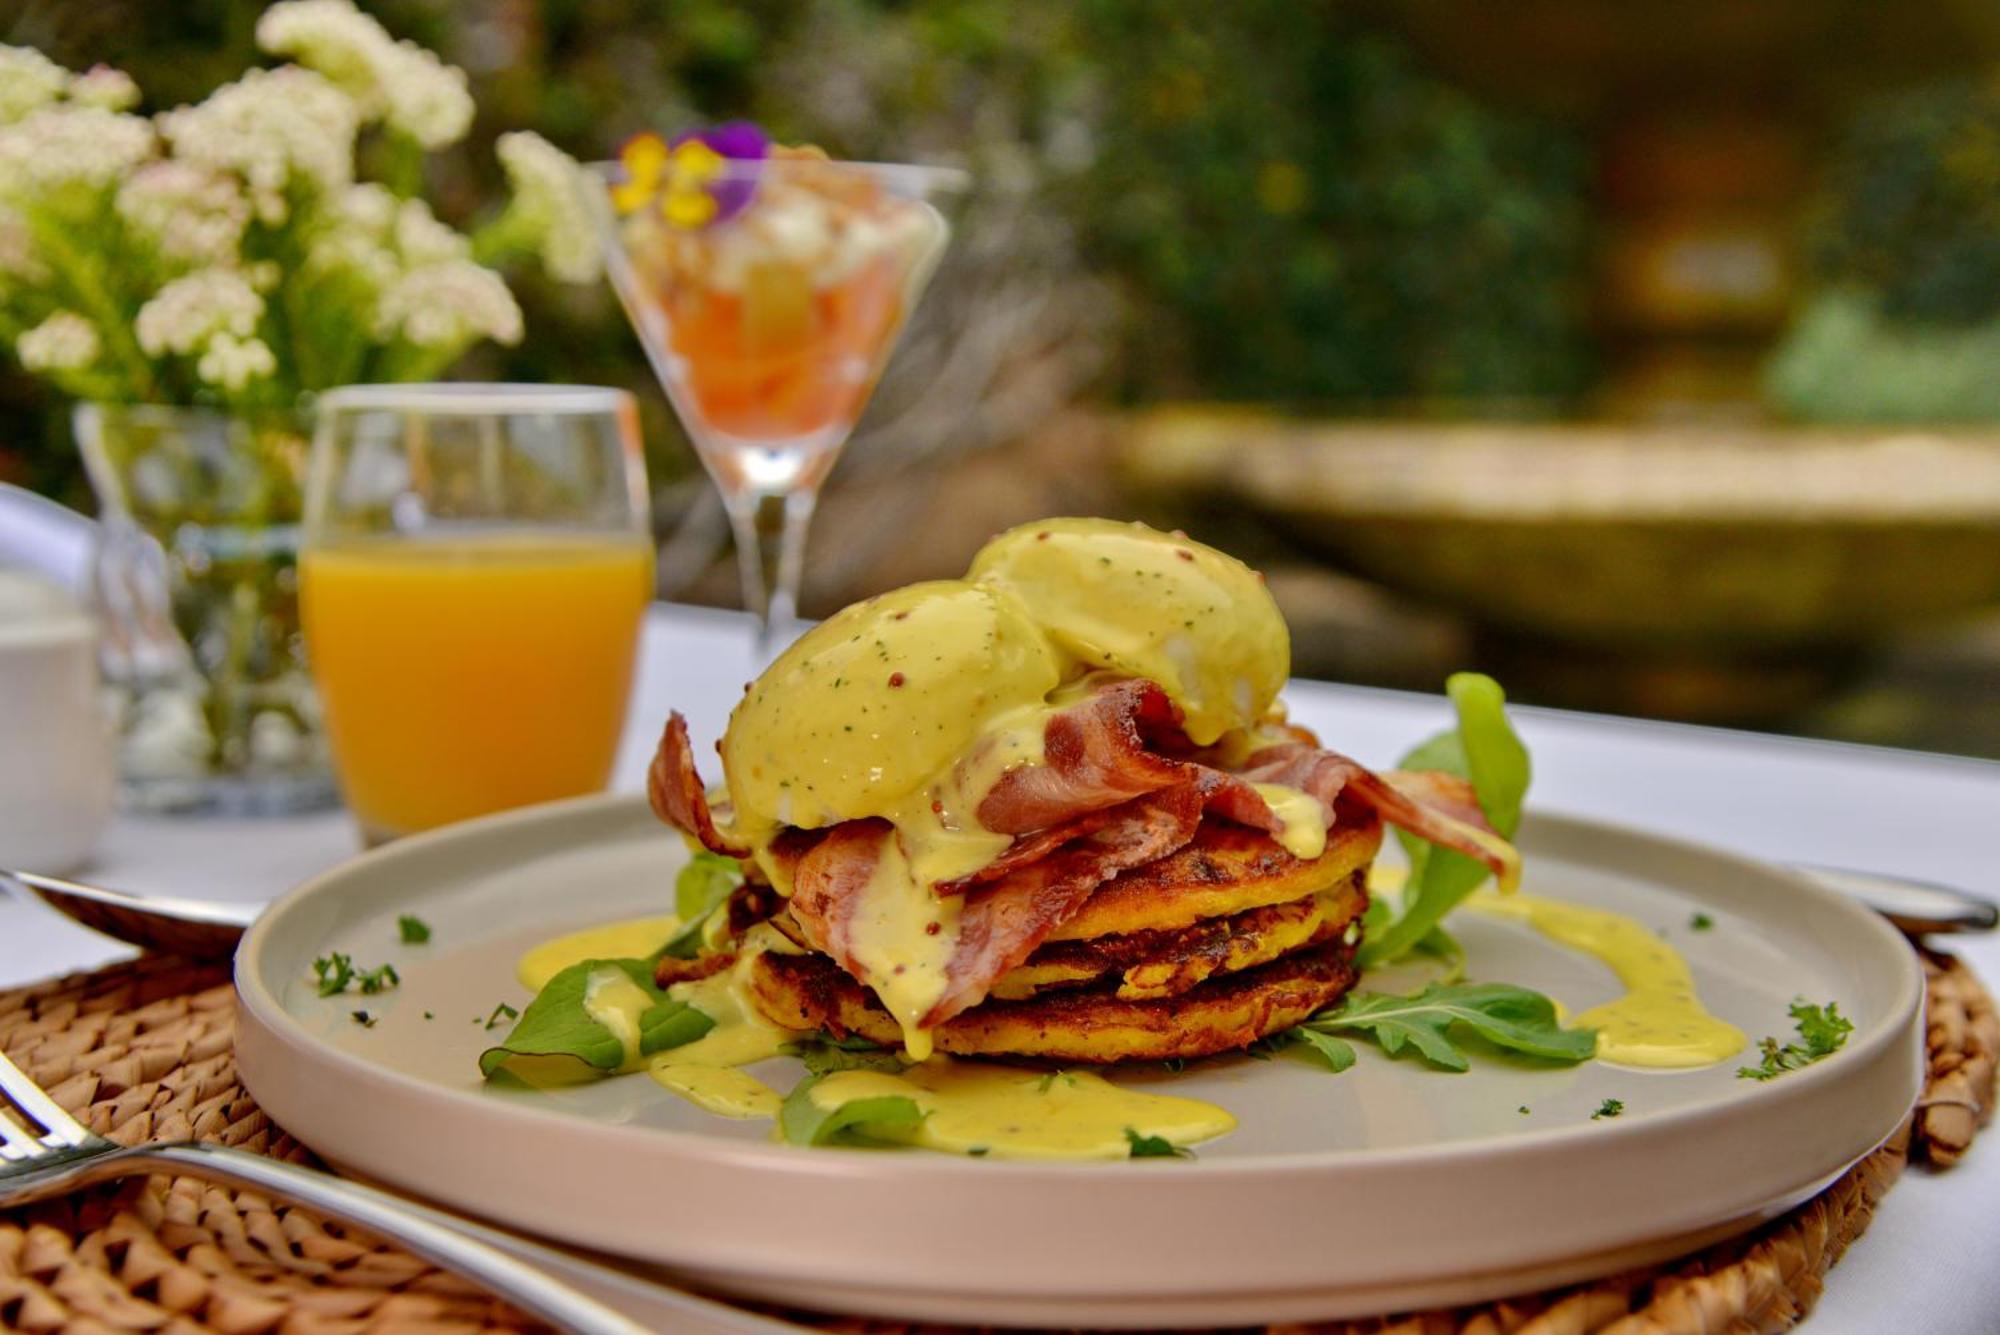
770,531
770,490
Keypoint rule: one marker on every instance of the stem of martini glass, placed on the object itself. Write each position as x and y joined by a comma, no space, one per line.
770,529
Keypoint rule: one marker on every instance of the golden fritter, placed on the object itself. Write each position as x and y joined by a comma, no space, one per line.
1165,964
1225,869
1080,1025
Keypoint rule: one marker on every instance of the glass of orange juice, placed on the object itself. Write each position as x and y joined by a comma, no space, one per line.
475,567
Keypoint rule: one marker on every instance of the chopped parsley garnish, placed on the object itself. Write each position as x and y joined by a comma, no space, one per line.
1175,1065
502,1012
1608,1108
1523,1110
378,979
333,972
363,1018
429,1016
1823,1031
1502,1014
1701,922
1154,1147
978,1151
336,971
414,930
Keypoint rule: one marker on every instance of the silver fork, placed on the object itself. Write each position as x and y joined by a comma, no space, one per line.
44,1152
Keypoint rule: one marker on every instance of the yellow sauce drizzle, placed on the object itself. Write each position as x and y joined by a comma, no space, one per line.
1660,1021
611,998
635,938
722,1090
899,956
704,1072
1006,1113
1302,819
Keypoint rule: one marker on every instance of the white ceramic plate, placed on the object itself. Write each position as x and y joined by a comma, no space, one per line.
1387,1187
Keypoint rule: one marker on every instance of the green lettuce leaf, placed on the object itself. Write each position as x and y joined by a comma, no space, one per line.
702,887
558,1028
1507,1016
1153,1147
857,1121
1484,749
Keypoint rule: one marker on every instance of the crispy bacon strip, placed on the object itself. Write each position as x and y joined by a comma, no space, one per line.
1029,848
828,881
1001,924
1096,755
677,794
1428,803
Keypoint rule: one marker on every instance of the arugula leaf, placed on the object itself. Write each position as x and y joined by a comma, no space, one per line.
1444,947
702,887
413,930
1154,1147
557,1025
1824,1030
1483,748
1501,1013
824,1054
1338,1053
803,1122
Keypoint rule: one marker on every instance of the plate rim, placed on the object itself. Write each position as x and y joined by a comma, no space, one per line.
269,1010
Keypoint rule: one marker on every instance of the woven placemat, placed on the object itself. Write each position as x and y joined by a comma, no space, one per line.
141,1051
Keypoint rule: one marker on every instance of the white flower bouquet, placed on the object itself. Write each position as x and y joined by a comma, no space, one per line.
194,277
225,254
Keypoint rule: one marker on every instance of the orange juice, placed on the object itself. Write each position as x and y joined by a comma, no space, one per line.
466,675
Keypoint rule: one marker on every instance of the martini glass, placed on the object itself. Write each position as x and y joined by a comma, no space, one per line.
769,326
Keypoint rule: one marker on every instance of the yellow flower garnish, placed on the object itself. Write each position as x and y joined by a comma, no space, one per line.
676,179
687,201
644,159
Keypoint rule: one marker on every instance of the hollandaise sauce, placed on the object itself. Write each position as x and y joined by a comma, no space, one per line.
634,938
1007,1113
970,1107
705,1072
1660,1021
1302,820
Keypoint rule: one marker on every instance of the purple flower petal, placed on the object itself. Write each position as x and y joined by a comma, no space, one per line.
739,141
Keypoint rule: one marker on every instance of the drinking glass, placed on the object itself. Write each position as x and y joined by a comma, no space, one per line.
769,325
475,567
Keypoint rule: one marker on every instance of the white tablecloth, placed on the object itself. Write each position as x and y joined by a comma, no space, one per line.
1931,1262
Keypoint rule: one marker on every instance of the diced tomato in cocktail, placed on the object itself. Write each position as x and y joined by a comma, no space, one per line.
782,359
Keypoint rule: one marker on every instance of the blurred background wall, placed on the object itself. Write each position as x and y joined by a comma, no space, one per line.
1683,319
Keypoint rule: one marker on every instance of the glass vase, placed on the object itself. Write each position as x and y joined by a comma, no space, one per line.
197,581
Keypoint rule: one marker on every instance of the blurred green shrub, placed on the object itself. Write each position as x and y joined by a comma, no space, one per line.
1284,205
1298,213
1911,208
1905,244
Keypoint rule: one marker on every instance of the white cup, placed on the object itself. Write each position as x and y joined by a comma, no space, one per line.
57,769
